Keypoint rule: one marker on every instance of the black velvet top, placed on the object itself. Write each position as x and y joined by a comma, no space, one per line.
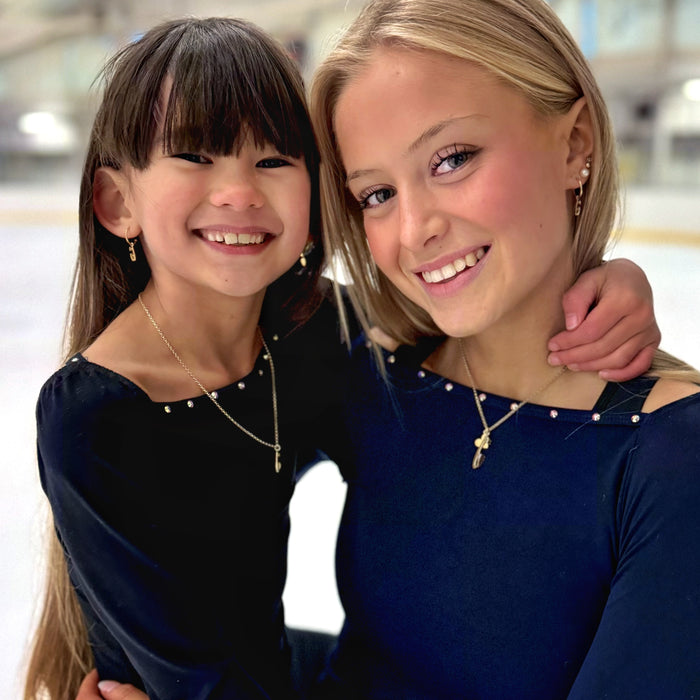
174,522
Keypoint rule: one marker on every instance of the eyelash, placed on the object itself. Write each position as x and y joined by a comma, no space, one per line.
443,156
363,197
274,162
196,158
199,159
438,160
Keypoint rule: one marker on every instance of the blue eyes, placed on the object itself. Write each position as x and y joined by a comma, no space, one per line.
450,159
444,162
375,197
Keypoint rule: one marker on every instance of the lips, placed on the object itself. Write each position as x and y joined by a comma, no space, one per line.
453,268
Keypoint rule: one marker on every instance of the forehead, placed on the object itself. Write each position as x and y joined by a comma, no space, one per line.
402,92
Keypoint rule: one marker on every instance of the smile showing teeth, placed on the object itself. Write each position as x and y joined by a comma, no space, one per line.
453,268
234,238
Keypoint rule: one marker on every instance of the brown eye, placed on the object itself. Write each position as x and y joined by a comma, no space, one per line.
193,158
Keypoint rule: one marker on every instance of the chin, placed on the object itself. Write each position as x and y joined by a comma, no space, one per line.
458,324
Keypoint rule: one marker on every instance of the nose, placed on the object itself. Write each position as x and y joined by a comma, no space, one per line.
237,188
421,221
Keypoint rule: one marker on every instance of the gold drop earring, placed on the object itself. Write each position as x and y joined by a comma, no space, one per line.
583,175
302,256
132,252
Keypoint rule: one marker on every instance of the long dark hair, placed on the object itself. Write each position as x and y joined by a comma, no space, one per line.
229,81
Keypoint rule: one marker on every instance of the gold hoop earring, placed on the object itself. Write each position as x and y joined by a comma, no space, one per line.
132,252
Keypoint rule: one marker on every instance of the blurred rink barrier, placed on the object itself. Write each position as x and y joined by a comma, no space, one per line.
38,238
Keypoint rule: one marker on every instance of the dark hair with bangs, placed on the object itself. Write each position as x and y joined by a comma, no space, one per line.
228,81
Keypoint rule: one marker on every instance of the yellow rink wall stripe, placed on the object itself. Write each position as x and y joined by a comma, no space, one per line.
653,236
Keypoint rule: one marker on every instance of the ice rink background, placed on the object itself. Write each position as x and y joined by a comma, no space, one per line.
37,245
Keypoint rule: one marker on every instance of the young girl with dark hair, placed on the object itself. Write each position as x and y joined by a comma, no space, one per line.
201,362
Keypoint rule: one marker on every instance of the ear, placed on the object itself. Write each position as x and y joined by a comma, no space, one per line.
579,140
110,202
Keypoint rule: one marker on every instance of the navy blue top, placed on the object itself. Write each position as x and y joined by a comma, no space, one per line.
567,566
174,522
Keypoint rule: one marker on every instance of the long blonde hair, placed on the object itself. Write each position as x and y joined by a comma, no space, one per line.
230,81
526,46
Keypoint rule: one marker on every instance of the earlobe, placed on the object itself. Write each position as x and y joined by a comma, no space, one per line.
109,191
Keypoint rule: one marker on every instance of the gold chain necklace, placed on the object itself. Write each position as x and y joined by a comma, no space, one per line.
484,441
267,356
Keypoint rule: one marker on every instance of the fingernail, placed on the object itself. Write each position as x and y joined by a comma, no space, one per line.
553,346
553,360
571,322
573,368
107,685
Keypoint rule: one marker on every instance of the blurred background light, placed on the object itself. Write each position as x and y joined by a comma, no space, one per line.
48,133
691,90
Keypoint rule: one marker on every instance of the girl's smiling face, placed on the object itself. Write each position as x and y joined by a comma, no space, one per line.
233,223
464,188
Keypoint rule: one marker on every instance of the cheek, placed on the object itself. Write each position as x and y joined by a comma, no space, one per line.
499,195
383,247
294,203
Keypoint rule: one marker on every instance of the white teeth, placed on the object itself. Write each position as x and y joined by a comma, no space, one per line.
452,268
234,238
448,271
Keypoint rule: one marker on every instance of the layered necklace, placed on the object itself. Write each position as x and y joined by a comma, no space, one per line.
275,446
483,442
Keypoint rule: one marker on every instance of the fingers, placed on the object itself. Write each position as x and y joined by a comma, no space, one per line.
615,352
594,329
627,361
583,294
612,349
619,334
637,366
88,688
618,313
112,690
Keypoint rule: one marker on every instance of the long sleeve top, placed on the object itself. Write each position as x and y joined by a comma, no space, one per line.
567,566
174,523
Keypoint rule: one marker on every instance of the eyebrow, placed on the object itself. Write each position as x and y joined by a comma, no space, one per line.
428,134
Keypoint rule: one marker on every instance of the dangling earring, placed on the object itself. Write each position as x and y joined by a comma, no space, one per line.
583,173
302,256
132,252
